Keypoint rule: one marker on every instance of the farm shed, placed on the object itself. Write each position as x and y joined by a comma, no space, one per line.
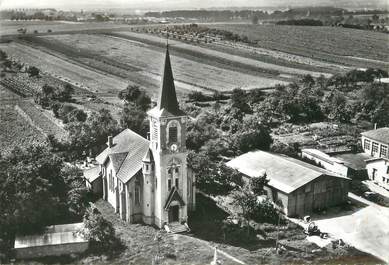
298,187
326,161
93,180
55,241
355,162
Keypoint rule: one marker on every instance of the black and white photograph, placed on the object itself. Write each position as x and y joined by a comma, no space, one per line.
194,132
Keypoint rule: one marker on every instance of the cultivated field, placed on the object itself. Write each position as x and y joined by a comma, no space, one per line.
357,48
267,60
147,62
63,69
15,130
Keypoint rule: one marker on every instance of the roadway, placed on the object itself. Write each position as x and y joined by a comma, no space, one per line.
365,228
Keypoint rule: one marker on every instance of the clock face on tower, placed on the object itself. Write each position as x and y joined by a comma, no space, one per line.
173,148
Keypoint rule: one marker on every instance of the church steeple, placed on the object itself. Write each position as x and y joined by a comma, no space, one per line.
167,99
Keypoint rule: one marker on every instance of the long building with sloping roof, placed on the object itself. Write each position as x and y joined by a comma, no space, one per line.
297,187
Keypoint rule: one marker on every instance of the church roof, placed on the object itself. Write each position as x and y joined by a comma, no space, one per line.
173,196
91,174
167,104
148,156
117,160
126,154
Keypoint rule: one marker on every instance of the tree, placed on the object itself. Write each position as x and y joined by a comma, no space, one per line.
197,96
77,115
3,55
213,178
31,189
133,94
251,136
99,231
200,131
134,118
308,81
246,200
258,183
91,134
64,94
33,71
239,100
64,111
322,82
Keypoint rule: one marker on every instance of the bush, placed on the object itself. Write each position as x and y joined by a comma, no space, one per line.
99,232
198,96
266,213
64,111
33,71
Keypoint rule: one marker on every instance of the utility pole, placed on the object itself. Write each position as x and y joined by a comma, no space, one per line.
157,258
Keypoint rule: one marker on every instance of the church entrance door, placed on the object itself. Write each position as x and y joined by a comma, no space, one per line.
174,213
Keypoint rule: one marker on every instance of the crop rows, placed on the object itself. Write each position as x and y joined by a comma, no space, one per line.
15,131
16,87
40,120
337,45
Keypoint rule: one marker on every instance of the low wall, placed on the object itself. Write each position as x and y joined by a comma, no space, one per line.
50,250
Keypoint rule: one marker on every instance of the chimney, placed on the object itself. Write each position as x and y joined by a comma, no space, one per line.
110,141
375,126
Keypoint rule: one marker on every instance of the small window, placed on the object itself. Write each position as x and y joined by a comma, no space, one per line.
383,179
367,144
176,169
176,182
384,151
147,167
169,184
387,170
374,148
155,131
173,134
156,183
137,195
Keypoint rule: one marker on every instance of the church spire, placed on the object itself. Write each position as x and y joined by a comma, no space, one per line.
167,97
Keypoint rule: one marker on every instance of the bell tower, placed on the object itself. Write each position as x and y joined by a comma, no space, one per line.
172,180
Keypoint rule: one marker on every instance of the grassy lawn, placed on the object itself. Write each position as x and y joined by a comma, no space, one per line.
140,247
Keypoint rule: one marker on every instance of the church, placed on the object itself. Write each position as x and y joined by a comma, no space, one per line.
147,180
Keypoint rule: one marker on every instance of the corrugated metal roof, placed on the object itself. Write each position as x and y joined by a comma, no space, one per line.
285,173
54,235
380,134
91,174
321,155
126,154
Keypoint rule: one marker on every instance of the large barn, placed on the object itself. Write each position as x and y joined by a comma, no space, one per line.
300,188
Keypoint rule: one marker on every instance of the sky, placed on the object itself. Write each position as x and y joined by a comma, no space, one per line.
179,4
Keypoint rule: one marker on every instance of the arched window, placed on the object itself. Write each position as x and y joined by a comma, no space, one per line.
173,133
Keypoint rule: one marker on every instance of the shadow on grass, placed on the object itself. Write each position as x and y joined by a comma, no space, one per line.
207,223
